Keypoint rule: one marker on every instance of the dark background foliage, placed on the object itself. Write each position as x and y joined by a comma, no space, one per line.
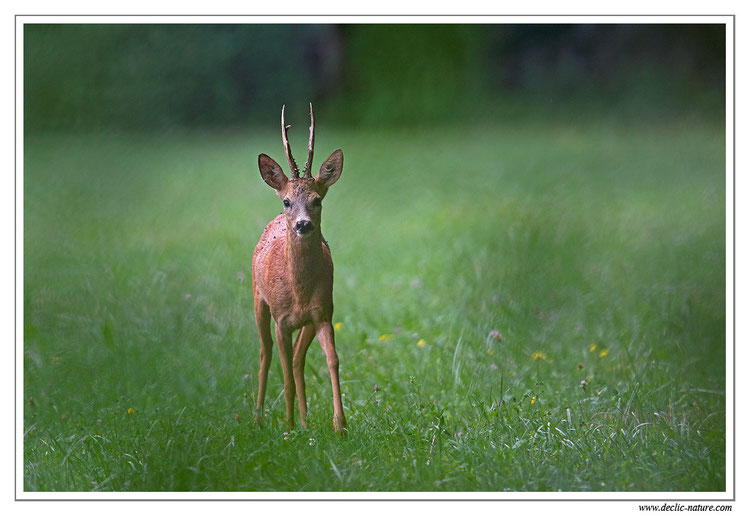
156,76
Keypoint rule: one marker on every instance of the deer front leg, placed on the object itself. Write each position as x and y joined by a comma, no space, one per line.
324,332
304,338
263,320
284,343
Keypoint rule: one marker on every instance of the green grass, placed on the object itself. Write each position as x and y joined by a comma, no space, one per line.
562,238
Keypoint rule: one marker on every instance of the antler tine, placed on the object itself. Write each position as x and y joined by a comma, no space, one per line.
310,145
287,147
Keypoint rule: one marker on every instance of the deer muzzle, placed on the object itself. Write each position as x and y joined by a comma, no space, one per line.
303,226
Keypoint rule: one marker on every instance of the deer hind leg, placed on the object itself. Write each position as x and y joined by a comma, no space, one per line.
324,332
304,338
284,343
263,320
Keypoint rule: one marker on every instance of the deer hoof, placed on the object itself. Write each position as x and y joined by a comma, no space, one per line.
339,424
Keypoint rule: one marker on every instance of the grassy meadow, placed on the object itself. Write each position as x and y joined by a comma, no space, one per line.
541,307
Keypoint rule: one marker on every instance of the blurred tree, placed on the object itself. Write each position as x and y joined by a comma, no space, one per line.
140,76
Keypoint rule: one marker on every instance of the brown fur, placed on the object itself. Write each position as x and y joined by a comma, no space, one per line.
293,283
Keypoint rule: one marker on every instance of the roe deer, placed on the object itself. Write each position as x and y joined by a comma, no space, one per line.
293,277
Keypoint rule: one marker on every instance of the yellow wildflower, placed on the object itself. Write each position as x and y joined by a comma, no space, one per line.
533,399
131,410
539,355
337,326
603,353
421,343
592,347
386,337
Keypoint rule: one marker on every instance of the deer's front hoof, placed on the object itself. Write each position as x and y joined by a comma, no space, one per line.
339,424
259,420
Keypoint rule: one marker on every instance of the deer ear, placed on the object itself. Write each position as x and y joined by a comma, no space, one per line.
271,172
330,170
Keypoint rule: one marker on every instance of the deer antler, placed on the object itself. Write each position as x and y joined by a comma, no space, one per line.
310,146
287,147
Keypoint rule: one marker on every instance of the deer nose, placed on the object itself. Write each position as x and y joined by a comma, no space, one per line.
303,226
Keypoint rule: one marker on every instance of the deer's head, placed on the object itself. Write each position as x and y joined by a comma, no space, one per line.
301,197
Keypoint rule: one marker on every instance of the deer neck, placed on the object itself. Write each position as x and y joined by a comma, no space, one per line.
303,255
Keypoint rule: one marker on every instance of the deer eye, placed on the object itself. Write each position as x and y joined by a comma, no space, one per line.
287,204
